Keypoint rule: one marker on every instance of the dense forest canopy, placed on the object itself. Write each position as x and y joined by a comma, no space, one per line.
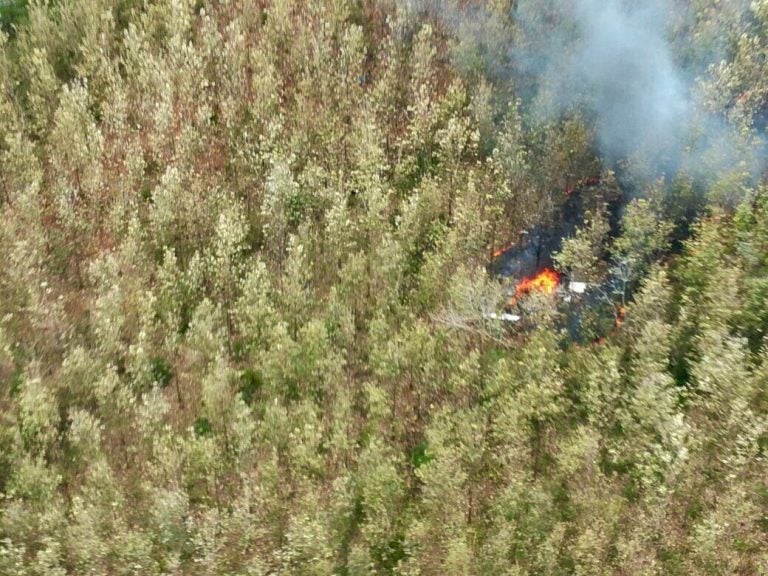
264,306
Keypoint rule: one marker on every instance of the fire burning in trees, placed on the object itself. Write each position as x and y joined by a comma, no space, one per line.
621,314
545,282
499,251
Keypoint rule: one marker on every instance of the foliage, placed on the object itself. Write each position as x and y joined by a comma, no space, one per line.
246,315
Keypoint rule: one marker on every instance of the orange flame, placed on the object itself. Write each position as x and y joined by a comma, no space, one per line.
499,251
544,282
621,314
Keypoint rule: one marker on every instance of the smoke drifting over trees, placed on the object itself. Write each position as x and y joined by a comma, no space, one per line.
614,61
620,63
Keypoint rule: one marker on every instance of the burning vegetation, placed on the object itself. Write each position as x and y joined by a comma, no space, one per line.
545,282
501,250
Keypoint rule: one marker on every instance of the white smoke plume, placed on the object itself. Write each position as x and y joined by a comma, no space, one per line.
614,62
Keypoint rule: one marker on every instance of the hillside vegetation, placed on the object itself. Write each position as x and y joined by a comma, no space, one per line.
247,255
